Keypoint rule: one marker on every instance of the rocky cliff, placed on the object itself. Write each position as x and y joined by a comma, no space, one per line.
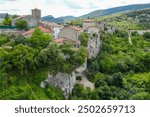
63,80
94,45
67,81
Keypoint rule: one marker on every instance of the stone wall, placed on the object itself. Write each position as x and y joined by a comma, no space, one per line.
86,25
69,33
11,32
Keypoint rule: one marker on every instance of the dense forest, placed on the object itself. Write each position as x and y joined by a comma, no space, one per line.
121,71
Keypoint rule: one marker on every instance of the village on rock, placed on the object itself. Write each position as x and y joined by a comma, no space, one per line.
61,34
83,58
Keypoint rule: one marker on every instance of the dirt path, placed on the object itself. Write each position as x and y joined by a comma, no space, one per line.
86,83
129,37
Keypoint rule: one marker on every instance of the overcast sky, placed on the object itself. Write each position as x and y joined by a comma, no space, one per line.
61,7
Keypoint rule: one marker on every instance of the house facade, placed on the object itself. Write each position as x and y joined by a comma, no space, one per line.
53,26
71,32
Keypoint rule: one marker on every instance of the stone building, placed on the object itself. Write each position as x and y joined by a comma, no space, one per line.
71,32
36,13
32,19
53,26
88,23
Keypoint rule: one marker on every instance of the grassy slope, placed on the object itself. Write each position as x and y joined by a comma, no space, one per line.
135,20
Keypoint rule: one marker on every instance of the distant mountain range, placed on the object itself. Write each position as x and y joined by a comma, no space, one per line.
98,13
50,18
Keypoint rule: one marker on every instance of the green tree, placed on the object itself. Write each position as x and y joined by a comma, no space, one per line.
147,35
146,60
54,93
22,58
7,20
14,16
84,37
99,83
52,57
80,56
118,80
80,91
39,39
148,85
3,39
20,40
22,24
141,96
104,92
95,66
3,56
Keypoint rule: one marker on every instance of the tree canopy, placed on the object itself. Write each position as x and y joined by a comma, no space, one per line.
22,24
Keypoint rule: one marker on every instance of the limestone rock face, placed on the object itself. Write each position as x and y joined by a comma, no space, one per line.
63,80
111,30
67,81
94,45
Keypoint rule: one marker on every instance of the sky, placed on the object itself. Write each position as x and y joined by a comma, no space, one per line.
59,8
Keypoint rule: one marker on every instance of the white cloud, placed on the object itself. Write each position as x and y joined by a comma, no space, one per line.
61,7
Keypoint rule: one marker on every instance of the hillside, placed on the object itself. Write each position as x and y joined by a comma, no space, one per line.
97,13
111,11
50,18
134,20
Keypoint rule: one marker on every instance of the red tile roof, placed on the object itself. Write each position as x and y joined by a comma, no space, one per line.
76,28
43,29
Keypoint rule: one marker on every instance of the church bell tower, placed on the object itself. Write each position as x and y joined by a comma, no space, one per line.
36,13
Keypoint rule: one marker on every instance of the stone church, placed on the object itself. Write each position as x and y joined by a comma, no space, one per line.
32,19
